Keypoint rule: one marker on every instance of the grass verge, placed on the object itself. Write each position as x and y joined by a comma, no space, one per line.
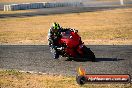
99,27
16,79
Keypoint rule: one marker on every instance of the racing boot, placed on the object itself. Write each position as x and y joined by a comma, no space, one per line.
56,54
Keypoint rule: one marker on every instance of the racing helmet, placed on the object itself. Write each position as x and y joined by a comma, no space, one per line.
56,26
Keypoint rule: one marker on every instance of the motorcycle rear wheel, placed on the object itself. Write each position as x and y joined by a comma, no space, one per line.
89,54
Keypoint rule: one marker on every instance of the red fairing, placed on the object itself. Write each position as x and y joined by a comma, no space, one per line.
72,40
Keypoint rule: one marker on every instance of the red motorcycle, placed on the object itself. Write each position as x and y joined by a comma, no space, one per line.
71,46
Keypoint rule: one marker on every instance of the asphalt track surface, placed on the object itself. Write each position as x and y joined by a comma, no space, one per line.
110,59
89,6
37,58
59,10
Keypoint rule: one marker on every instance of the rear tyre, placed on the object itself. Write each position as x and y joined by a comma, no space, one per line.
89,54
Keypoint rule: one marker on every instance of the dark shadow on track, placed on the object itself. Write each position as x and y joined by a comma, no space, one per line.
107,59
59,10
97,59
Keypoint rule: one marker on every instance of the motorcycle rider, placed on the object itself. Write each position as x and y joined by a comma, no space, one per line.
53,36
